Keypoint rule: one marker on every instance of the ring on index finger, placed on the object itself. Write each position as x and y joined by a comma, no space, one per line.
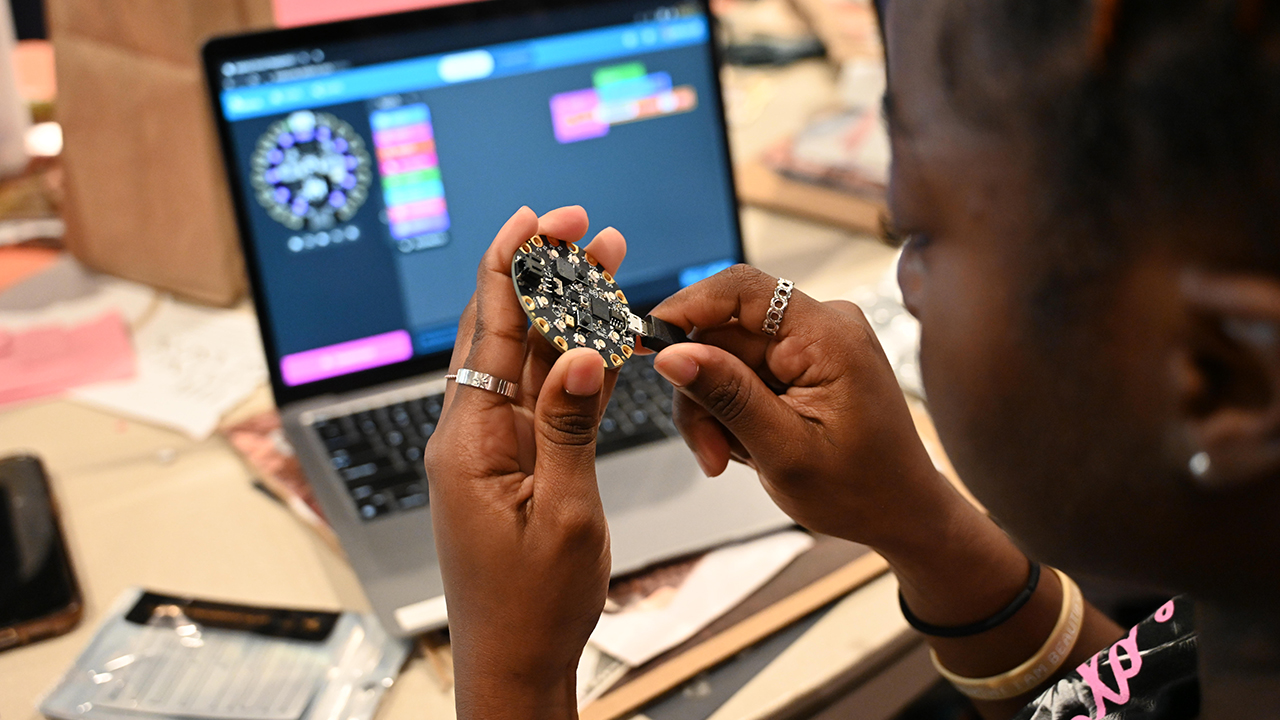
778,307
484,381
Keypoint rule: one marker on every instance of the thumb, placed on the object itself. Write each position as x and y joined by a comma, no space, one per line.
734,395
566,417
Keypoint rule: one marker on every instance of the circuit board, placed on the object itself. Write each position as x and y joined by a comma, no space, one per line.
572,301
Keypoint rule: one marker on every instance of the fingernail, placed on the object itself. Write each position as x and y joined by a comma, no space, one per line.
679,370
586,375
701,463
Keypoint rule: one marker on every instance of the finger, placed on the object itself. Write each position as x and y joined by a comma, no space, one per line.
498,332
608,248
749,347
755,350
566,223
541,357
565,422
466,328
735,396
705,436
845,307
741,292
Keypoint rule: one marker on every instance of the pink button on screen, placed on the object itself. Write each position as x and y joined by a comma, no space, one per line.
344,358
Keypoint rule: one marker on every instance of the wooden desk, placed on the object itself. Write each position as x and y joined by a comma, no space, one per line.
147,507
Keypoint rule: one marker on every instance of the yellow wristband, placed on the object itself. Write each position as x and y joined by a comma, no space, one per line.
1041,666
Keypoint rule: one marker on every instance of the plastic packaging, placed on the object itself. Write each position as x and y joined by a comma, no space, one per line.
162,657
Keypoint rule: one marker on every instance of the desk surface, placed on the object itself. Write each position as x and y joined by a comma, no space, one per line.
148,507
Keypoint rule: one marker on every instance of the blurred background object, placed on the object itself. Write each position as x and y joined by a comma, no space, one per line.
819,150
14,116
765,32
292,13
28,19
847,28
145,195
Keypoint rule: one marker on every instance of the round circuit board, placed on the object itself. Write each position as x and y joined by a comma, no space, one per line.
310,171
572,301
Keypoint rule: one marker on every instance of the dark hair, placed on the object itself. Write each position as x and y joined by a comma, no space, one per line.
1136,111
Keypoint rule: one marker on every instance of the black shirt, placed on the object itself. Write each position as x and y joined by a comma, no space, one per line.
1148,675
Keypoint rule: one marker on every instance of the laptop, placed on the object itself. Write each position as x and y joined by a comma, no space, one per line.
372,161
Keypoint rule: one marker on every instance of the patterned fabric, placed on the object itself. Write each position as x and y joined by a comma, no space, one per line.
1148,675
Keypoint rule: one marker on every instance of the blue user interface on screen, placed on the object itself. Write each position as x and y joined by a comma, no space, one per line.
375,176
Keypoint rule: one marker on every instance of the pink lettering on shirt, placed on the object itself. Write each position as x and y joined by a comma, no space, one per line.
1103,692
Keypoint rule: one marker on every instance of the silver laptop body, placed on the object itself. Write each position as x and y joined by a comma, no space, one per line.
606,87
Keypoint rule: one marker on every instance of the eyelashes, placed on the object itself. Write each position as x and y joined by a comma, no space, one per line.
890,234
895,237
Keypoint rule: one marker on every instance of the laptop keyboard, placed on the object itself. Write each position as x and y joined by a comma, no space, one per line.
639,411
378,452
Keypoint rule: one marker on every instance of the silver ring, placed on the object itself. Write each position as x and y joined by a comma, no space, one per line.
778,306
484,381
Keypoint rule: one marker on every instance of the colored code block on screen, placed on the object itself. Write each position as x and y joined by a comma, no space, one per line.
619,94
411,186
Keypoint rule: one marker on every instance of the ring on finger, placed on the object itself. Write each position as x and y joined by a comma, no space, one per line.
484,381
778,306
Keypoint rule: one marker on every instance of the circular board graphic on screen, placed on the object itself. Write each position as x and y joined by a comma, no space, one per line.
311,171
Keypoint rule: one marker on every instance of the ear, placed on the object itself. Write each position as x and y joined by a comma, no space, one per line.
1230,379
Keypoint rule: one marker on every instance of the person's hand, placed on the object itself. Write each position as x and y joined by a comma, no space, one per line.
521,534
815,409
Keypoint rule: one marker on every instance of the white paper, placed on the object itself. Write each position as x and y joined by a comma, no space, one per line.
721,580
597,673
194,364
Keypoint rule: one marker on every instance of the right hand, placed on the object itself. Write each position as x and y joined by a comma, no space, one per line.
815,409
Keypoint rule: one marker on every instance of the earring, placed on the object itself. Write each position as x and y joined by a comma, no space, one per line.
1200,464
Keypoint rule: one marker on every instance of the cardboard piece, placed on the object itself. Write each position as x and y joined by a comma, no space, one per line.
685,663
146,192
763,187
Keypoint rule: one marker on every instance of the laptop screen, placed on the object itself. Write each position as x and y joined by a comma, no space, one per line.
373,161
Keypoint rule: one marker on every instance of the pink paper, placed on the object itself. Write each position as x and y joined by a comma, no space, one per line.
291,13
47,360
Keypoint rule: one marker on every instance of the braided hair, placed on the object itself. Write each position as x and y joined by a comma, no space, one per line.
1135,112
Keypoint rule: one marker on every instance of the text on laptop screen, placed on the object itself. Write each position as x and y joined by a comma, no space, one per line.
374,176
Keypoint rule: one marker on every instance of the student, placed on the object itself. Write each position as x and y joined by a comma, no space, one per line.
1091,192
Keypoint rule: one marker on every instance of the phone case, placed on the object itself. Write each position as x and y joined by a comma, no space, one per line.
25,474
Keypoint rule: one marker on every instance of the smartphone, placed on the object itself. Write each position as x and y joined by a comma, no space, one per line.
39,596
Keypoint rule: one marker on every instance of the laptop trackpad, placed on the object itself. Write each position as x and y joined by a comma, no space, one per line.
660,505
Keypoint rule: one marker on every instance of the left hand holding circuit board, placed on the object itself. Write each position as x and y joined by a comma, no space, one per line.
519,527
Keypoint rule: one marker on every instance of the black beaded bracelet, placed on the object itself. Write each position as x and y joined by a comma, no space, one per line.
959,631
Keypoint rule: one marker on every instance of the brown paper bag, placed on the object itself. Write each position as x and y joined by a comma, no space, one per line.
146,190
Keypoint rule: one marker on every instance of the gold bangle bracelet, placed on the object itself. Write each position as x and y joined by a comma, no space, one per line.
1041,666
